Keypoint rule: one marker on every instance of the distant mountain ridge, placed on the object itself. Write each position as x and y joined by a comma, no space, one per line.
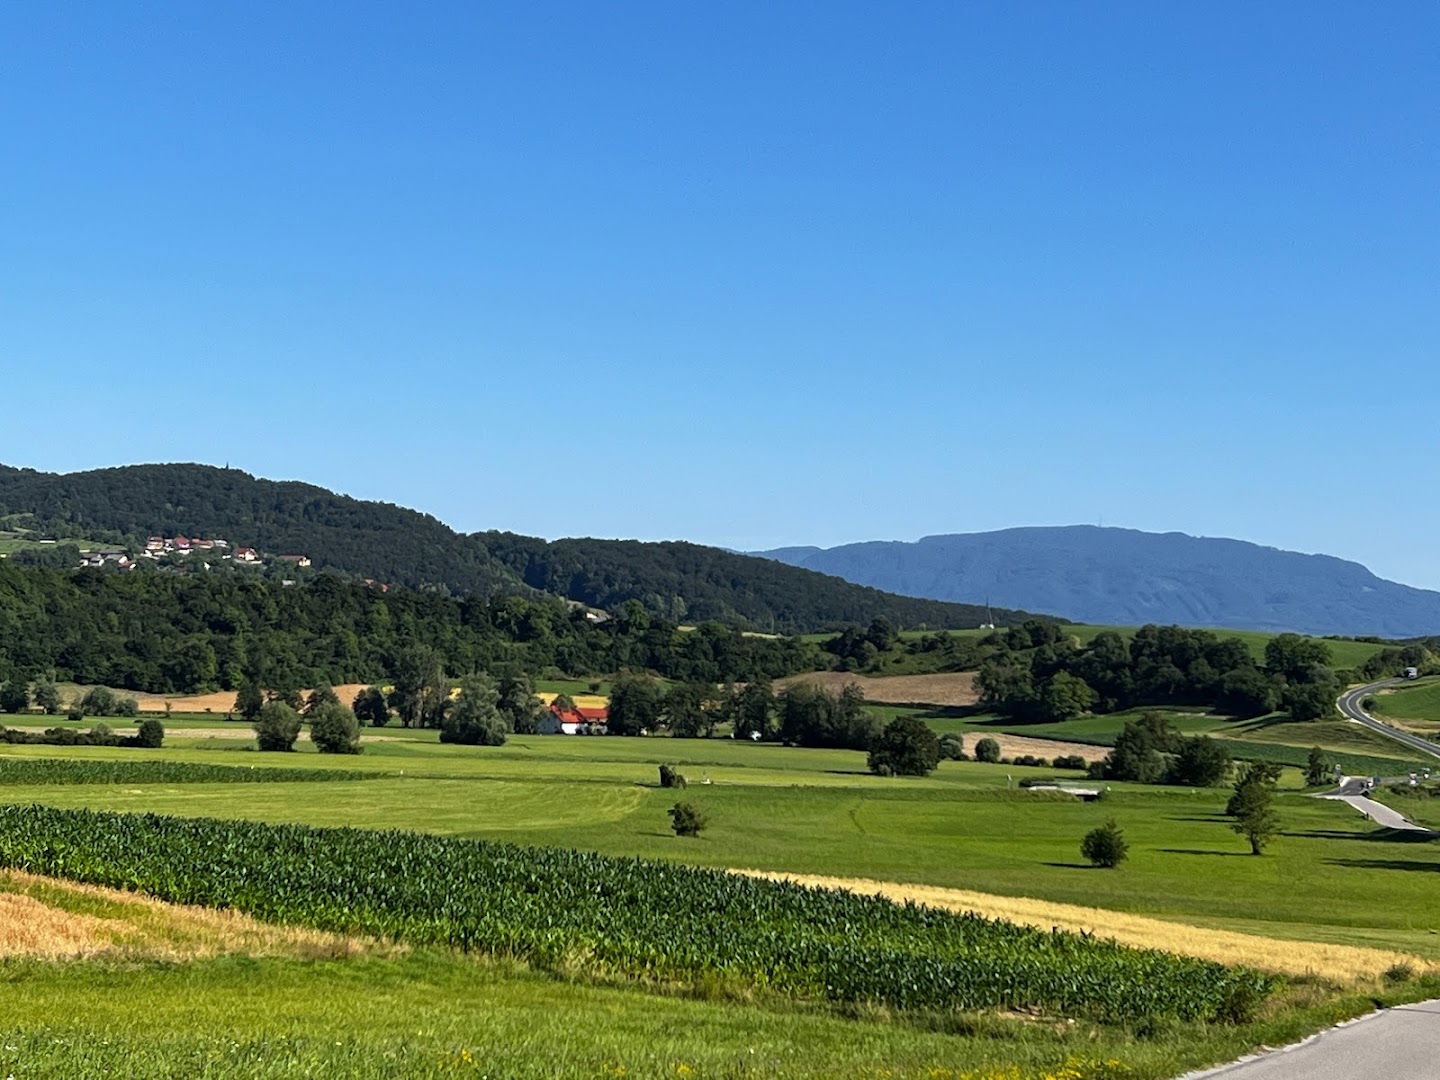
680,581
1128,577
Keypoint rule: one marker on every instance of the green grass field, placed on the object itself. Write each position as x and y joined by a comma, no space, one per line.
772,808
1417,705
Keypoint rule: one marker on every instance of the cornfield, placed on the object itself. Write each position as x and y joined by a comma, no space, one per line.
78,771
643,919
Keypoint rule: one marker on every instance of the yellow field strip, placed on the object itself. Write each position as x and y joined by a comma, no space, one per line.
1342,963
54,919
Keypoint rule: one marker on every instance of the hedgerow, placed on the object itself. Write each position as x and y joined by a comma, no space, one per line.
79,771
620,917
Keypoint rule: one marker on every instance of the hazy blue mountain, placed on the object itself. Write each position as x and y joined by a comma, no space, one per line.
1127,577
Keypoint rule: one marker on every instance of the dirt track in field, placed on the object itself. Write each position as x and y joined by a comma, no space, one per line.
957,688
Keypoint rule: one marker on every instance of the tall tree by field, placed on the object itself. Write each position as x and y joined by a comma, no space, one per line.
687,712
47,697
1317,768
277,727
1252,804
635,704
371,708
249,701
474,719
751,710
1292,656
421,689
906,747
322,695
14,696
519,705
334,729
1199,762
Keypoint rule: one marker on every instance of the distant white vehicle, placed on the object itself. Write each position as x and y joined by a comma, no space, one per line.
1412,673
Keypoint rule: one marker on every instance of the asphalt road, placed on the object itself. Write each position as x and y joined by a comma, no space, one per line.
1397,1044
1349,704
1377,812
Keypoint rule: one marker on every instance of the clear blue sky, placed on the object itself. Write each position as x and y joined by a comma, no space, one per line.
749,274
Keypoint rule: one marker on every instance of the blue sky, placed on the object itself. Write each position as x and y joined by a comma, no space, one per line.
749,274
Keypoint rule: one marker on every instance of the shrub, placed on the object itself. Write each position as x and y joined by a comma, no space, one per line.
687,819
1105,846
151,734
127,706
334,729
907,747
987,749
670,777
74,716
1032,761
98,701
278,727
1069,761
952,747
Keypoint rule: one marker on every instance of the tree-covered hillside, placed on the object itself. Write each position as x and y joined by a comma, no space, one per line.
678,581
692,583
178,633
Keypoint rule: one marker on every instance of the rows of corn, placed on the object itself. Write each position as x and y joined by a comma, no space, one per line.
16,770
635,918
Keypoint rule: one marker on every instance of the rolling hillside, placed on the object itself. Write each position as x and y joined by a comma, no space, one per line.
680,581
1126,577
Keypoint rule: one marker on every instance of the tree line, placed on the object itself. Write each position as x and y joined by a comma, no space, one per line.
1041,675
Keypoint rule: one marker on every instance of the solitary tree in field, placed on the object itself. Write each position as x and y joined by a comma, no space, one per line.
277,727
906,747
1253,806
987,749
475,719
334,729
1105,846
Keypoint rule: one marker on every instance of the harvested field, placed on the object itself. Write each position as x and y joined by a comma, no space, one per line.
52,919
1018,745
1336,962
956,688
220,702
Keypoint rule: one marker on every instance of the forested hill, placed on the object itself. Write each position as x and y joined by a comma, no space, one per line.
692,583
678,581
371,539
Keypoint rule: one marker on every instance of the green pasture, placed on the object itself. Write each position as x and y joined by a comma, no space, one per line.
1418,704
820,811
